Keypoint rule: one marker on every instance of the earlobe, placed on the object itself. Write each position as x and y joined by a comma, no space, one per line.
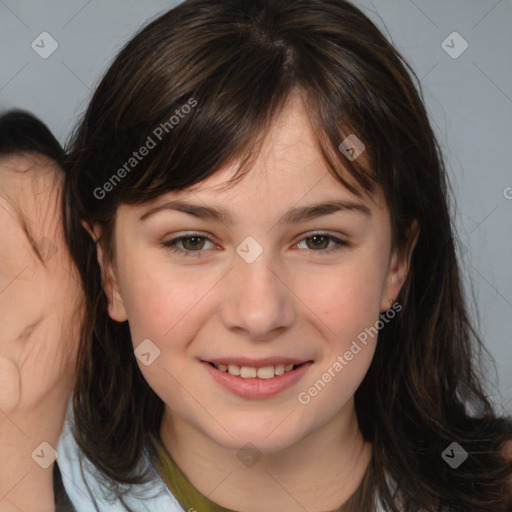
116,309
93,230
399,267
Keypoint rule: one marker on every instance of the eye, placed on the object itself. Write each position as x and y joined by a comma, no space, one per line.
193,243
319,241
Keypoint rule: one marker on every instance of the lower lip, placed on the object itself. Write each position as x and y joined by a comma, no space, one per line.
257,388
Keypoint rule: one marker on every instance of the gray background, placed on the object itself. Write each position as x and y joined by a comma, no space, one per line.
469,99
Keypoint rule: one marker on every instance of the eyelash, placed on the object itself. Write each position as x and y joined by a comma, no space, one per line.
172,244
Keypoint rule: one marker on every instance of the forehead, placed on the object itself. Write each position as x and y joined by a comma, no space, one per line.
288,169
29,207
29,183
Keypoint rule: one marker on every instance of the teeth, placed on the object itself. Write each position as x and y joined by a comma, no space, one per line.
266,372
233,369
279,369
249,372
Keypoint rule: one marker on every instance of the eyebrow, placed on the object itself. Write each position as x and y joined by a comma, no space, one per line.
293,215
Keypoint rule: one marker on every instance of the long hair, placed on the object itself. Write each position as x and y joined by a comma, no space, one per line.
234,63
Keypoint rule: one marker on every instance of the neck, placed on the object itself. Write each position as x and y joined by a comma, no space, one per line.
24,484
320,472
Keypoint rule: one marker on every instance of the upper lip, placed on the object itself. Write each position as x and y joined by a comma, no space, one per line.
256,363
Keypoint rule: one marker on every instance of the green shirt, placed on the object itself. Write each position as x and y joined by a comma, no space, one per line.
191,500
185,493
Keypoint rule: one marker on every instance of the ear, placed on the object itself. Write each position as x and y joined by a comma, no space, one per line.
399,268
116,307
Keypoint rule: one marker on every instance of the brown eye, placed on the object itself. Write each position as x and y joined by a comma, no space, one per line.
193,242
191,245
319,243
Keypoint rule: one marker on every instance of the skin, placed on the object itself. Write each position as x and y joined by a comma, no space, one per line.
291,301
39,315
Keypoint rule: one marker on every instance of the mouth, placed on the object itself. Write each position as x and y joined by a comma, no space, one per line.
257,379
256,372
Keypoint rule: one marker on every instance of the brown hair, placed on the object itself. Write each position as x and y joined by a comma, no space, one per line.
239,61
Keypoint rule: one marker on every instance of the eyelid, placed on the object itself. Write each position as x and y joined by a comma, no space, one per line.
172,243
340,242
322,232
189,234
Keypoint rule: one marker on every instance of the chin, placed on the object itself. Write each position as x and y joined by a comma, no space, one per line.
266,437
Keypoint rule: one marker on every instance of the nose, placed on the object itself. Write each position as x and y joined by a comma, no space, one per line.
258,303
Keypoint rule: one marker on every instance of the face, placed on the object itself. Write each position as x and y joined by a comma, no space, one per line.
256,291
38,302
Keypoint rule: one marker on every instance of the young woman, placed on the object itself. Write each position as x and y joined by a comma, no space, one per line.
275,315
40,307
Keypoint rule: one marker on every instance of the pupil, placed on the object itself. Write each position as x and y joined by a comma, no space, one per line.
317,238
194,241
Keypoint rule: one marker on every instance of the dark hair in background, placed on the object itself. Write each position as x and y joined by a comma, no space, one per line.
21,131
240,60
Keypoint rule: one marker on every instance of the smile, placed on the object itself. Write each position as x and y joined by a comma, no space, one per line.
251,372
256,381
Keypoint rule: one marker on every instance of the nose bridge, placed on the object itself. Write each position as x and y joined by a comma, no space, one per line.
258,302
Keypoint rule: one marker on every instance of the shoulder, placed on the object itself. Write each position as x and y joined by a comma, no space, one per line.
89,490
80,483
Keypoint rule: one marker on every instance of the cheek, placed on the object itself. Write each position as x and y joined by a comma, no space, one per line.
347,297
169,311
350,303
10,384
160,303
20,305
